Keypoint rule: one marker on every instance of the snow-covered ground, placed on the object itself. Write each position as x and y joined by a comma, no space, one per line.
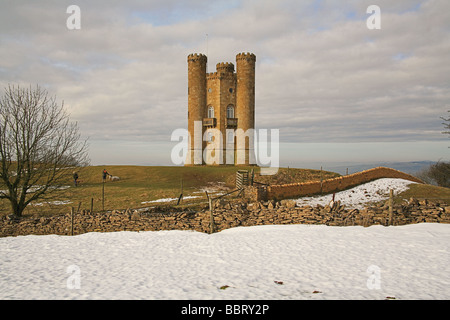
213,188
55,203
361,195
169,199
261,262
292,262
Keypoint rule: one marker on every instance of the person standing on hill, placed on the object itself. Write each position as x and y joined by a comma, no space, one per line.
75,178
105,174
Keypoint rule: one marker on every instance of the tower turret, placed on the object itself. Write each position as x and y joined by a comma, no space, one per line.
225,67
245,106
196,105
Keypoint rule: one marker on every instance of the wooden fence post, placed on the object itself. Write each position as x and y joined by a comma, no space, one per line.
71,220
92,205
181,194
321,181
391,206
211,213
103,196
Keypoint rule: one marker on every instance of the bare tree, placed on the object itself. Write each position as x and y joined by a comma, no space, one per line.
39,146
436,174
446,124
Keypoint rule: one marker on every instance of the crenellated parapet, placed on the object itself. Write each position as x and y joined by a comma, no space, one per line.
194,57
246,56
226,67
220,75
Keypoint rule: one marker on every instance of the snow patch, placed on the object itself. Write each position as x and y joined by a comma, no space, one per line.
55,203
262,262
360,196
169,199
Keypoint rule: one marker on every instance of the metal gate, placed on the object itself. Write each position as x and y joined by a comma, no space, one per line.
241,178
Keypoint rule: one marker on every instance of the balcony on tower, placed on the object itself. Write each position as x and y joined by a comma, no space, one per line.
209,122
232,122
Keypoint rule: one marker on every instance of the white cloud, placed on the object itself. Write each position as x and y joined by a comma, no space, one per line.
322,76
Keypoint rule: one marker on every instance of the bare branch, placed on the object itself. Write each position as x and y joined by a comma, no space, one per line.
446,125
38,145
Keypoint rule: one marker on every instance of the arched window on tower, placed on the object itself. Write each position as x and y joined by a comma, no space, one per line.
230,112
209,136
230,137
210,112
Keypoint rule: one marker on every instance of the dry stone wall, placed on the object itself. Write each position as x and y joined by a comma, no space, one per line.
228,215
292,190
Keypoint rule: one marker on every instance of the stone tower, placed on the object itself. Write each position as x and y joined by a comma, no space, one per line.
245,101
196,106
221,111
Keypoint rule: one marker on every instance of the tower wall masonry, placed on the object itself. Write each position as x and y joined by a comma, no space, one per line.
196,102
245,101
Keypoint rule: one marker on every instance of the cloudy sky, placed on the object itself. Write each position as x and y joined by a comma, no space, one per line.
336,90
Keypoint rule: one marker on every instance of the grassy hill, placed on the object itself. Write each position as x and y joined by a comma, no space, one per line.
140,184
425,191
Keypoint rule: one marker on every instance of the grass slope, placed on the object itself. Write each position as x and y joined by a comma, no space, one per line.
145,183
424,191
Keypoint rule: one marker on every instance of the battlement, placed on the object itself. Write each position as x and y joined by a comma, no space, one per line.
225,67
220,75
245,56
213,75
194,57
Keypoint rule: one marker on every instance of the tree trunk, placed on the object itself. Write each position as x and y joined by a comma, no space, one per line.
17,209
